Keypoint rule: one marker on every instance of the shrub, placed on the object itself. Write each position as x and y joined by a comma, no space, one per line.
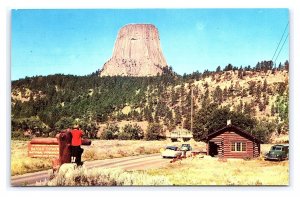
82,176
18,134
124,136
153,131
33,124
134,132
263,130
63,123
140,150
106,135
90,154
110,133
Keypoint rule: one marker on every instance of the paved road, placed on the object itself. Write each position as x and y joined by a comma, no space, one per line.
128,163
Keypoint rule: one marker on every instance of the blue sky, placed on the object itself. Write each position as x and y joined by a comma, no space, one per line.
80,41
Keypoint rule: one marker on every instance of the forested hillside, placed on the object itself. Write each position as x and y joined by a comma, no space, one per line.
254,98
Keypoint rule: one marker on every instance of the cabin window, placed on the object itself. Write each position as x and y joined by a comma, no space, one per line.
238,146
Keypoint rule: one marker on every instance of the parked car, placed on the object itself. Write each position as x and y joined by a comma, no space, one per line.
171,152
186,147
278,152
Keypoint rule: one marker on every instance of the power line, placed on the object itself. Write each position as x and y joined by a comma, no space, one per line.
280,41
282,46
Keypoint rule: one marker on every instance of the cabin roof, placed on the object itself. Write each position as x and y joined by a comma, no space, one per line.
234,128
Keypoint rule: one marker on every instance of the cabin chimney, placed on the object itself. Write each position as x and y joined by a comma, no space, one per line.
228,122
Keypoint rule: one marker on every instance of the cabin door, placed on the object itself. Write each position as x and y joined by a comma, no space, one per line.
213,149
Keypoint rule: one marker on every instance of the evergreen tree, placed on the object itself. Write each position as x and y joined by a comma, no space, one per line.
228,67
273,110
240,73
134,132
177,116
240,106
286,65
265,86
252,85
218,95
154,131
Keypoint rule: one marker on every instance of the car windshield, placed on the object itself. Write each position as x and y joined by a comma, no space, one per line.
279,148
171,148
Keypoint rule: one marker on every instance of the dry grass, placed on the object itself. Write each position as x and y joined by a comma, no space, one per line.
284,138
190,171
21,163
232,78
206,171
210,171
82,176
105,149
100,149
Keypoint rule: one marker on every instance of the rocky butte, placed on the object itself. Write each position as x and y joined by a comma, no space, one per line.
137,52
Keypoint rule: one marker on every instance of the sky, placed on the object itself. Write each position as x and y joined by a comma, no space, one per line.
80,41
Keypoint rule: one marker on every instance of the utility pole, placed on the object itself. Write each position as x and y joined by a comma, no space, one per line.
192,109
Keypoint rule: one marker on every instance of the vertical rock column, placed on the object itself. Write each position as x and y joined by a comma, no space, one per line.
137,52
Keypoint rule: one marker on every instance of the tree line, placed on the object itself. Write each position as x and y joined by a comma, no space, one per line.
56,101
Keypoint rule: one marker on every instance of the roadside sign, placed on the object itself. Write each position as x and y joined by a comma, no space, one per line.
43,150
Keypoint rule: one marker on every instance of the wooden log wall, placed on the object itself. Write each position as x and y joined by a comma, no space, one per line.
225,140
256,149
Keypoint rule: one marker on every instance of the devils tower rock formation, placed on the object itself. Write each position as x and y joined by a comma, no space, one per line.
137,52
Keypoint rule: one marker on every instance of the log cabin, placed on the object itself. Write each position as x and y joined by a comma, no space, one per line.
232,142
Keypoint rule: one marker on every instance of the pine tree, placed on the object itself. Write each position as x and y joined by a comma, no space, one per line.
265,86
286,65
273,110
240,106
240,73
218,95
154,132
177,116
252,85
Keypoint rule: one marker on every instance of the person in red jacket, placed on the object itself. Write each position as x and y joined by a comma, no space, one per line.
76,150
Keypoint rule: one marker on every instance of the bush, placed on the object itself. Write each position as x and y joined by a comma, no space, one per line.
263,130
17,134
107,135
110,133
134,132
154,131
124,136
103,177
34,124
90,129
90,154
63,123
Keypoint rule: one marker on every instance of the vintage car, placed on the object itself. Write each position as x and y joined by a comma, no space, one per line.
186,147
171,152
278,152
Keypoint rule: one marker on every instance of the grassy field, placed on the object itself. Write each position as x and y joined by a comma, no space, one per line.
100,149
211,171
104,149
199,170
68,176
21,163
191,171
